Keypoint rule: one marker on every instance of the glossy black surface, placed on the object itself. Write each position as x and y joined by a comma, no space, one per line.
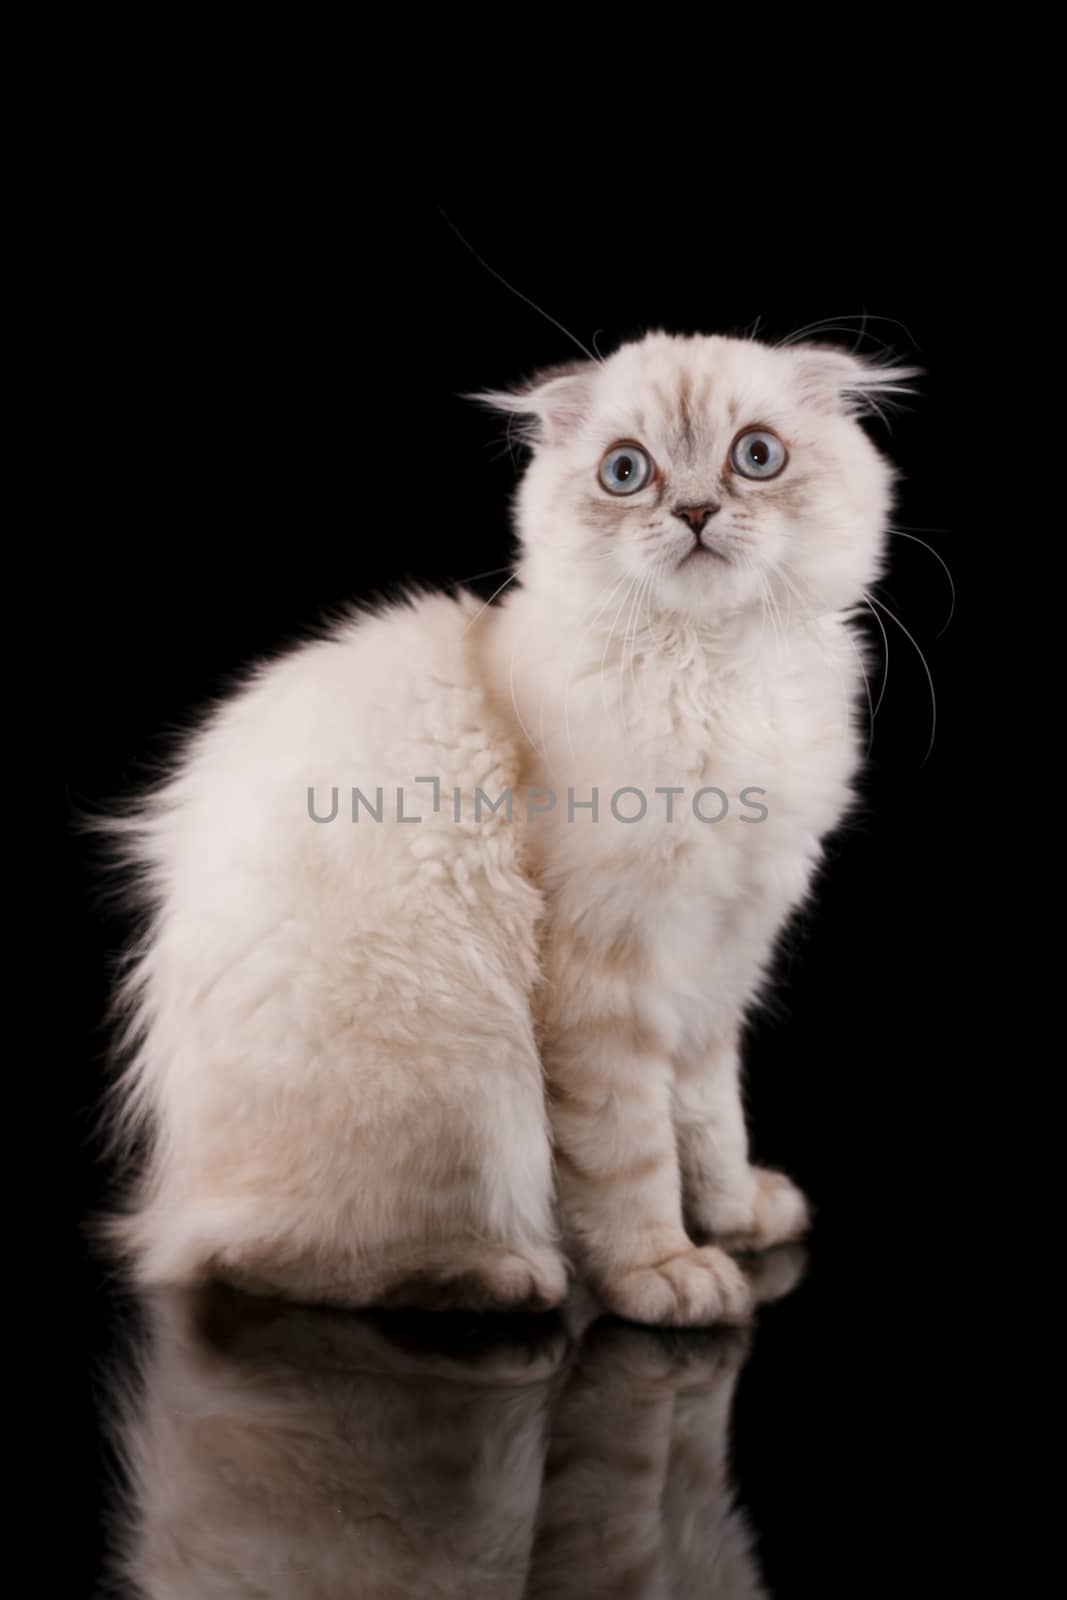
365,1456
289,1451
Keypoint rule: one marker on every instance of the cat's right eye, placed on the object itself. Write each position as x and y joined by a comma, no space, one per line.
625,469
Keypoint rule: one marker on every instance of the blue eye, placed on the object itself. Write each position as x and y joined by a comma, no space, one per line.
758,454
625,469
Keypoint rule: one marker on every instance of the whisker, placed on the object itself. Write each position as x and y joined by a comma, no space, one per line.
590,625
627,636
488,603
607,646
926,668
762,604
473,577
776,614
840,324
633,626
905,534
515,705
885,657
812,620
518,292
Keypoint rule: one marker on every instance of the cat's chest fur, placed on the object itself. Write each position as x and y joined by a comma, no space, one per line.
692,793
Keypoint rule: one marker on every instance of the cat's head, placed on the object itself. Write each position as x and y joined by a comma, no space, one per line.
718,474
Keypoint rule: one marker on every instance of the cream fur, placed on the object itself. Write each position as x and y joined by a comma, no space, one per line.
340,1032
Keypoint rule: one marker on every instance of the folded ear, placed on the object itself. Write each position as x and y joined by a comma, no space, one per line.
554,402
832,379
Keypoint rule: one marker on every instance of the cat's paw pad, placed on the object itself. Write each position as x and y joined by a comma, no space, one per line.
775,1212
700,1286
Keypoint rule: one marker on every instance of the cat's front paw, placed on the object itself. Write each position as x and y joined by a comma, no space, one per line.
700,1286
767,1210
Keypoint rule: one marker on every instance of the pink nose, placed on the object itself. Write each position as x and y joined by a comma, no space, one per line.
696,516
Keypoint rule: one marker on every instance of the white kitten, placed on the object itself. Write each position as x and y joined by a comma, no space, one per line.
343,1027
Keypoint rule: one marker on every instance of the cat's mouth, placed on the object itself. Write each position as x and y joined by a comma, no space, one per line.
701,553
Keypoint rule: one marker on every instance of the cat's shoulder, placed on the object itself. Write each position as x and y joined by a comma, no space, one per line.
378,666
414,627
411,635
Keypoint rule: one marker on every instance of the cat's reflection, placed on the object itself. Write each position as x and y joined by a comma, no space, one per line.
314,1455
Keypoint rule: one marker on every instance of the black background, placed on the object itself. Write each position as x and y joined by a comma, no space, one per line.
266,372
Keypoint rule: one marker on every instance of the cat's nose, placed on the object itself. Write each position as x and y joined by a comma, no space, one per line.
696,516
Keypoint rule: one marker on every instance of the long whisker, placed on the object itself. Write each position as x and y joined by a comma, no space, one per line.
515,705
657,568
473,577
926,668
782,571
766,614
518,292
632,629
576,652
872,710
488,603
779,627
885,657
833,324
607,646
904,534
762,603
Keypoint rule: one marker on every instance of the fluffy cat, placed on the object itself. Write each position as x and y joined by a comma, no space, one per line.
343,1021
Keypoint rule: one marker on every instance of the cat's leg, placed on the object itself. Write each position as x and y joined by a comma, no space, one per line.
725,1196
354,1104
432,1192
610,1095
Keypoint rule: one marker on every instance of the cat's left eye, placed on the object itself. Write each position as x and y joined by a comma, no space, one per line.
625,469
758,453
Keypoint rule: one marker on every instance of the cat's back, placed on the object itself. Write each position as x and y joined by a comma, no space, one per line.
360,687
299,839
327,750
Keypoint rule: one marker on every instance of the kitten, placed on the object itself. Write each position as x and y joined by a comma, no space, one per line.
397,892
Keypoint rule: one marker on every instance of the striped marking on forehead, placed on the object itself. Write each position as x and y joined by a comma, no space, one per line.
684,402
